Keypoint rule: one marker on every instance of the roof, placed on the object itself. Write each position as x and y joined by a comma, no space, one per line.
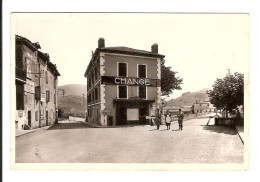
130,51
34,46
125,51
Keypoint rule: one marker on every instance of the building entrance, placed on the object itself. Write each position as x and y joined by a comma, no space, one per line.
46,118
30,118
142,115
121,116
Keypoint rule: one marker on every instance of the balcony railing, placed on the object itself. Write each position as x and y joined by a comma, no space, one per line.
20,74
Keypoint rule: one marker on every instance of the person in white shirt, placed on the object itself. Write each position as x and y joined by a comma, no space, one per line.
168,119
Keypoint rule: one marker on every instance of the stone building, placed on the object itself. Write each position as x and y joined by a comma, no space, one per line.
123,85
203,107
36,79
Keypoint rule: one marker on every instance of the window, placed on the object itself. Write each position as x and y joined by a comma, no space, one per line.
36,115
54,98
89,98
97,113
46,77
47,96
96,93
122,92
92,78
122,69
93,96
142,92
142,71
96,73
89,82
54,83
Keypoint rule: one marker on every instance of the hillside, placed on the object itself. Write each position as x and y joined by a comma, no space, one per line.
189,98
72,101
74,89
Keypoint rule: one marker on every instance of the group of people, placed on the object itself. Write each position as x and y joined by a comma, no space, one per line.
168,119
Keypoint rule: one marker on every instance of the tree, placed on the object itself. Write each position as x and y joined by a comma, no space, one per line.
169,80
228,93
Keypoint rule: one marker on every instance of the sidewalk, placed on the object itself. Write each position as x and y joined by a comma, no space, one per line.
240,131
23,132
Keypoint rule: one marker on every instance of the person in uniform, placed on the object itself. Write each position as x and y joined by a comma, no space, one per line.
158,119
180,116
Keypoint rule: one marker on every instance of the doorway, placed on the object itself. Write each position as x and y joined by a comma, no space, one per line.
30,118
142,114
46,118
121,116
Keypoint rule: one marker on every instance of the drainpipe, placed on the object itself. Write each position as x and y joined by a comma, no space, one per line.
40,92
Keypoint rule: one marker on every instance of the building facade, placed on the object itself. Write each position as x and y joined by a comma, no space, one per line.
203,107
123,85
36,79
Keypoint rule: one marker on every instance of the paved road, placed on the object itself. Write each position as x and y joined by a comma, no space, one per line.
77,143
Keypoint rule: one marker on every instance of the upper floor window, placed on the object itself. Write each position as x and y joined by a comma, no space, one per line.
96,93
46,76
122,69
142,92
122,92
89,82
96,73
142,71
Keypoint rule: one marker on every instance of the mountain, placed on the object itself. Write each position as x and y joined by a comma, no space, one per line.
74,89
72,101
189,98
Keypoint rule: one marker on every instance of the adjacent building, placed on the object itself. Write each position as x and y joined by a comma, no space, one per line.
36,80
123,85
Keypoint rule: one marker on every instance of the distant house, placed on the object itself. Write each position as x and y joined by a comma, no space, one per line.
203,107
36,80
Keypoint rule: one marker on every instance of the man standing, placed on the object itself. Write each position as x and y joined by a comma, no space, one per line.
158,119
180,116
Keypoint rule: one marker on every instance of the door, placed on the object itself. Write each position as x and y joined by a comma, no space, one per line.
30,118
121,116
142,114
46,118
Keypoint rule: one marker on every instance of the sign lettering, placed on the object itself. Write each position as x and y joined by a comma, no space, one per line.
130,81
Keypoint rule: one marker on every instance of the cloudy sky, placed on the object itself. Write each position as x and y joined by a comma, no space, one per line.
200,47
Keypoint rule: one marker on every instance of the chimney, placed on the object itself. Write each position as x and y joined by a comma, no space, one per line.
155,48
101,42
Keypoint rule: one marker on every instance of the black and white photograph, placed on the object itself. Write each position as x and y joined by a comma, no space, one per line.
136,89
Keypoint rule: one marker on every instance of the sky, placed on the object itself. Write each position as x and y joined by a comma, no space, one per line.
200,47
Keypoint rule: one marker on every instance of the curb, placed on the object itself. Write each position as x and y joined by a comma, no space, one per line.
30,131
239,136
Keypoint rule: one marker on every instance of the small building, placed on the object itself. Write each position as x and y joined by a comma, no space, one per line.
123,85
36,79
203,107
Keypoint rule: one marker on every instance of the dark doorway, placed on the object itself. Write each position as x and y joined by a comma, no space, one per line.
121,116
46,118
142,114
30,118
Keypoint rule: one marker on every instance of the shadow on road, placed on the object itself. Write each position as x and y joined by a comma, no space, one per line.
220,129
72,125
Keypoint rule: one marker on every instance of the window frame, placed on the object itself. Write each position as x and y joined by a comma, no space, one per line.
126,91
118,69
145,92
137,74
